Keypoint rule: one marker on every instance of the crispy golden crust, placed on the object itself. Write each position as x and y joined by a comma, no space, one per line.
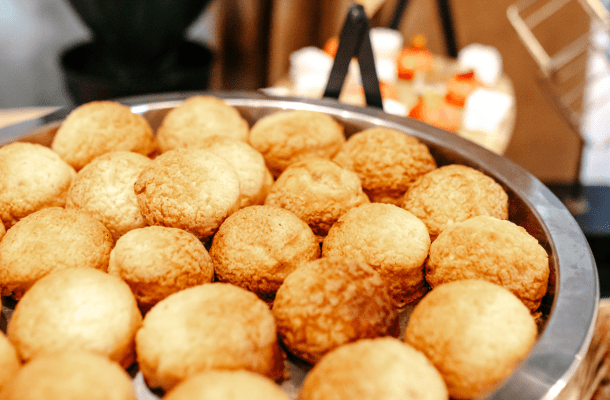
474,332
193,190
76,309
391,240
157,261
330,302
104,189
47,240
452,194
71,376
255,180
215,326
32,177
382,368
99,127
495,250
9,362
386,161
197,118
318,191
256,248
289,136
227,385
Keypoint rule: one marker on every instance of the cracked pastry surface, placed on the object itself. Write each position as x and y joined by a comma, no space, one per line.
32,177
98,127
329,302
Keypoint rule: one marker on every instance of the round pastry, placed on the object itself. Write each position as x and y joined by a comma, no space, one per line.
255,180
495,250
474,332
386,161
227,385
47,240
70,376
289,136
104,189
330,302
382,368
256,248
454,193
194,190
32,177
318,191
157,261
9,362
99,127
197,118
391,240
76,309
215,326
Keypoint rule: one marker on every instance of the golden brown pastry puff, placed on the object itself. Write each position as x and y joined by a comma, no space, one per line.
104,189
227,385
47,240
391,240
255,180
70,376
76,309
256,248
330,302
197,118
387,161
99,127
289,136
9,362
214,326
474,332
318,191
190,189
157,261
495,250
454,193
380,369
32,177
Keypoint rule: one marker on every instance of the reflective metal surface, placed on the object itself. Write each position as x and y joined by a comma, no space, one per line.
570,307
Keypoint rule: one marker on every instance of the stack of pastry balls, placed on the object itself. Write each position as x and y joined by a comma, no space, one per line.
210,252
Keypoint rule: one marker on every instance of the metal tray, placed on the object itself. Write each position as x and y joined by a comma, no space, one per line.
570,307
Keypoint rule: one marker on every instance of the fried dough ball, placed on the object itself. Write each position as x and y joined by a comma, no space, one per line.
256,248
381,369
9,362
99,127
318,191
391,240
47,240
330,302
255,180
104,189
290,136
386,161
194,190
474,332
214,326
197,118
32,177
454,193
495,250
76,309
70,376
157,261
227,385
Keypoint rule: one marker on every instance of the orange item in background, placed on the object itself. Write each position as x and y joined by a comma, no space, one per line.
460,87
435,110
388,91
331,46
415,58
